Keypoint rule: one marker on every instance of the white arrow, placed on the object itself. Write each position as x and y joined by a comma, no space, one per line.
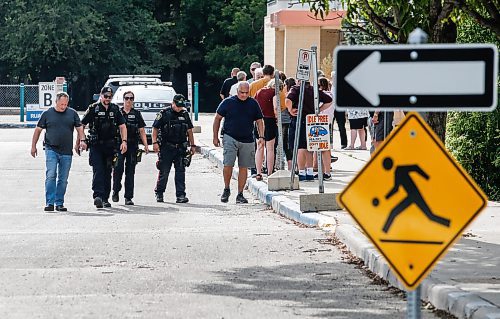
373,78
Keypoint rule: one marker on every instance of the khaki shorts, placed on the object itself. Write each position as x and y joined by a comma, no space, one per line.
244,151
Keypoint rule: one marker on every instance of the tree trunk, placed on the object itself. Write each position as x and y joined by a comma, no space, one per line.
442,32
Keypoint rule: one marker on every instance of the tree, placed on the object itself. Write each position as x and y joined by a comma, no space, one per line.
391,21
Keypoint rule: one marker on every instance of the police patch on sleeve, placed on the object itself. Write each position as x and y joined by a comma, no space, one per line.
158,116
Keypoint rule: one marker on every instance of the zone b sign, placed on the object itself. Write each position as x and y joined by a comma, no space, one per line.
46,95
434,77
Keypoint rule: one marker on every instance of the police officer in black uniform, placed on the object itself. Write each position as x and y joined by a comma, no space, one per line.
107,137
173,138
135,130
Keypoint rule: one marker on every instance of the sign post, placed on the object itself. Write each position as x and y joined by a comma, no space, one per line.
277,93
303,74
316,111
190,92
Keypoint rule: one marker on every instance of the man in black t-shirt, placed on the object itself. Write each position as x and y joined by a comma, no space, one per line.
226,86
59,123
135,131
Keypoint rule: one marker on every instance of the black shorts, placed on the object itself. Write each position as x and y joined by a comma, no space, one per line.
302,136
357,124
384,125
270,128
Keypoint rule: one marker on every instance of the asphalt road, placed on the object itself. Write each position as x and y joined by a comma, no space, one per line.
204,259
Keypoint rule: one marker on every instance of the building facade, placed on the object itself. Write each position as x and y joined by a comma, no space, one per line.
289,26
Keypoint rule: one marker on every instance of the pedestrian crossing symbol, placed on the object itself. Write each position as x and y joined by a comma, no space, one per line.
413,200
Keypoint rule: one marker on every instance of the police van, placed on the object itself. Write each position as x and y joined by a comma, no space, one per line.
115,80
149,99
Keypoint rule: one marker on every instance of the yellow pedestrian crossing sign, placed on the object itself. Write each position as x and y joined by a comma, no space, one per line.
413,200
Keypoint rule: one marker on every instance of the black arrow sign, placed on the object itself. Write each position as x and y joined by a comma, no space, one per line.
417,77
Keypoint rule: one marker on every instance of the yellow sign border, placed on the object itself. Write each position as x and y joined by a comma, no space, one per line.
461,170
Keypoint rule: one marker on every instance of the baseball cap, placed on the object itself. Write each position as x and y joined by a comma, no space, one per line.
106,89
179,100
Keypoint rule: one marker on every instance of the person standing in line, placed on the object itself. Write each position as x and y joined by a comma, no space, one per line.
226,86
107,138
340,117
267,102
135,130
175,128
59,123
304,157
358,121
239,112
240,76
253,67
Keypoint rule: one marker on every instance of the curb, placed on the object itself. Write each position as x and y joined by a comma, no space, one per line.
17,125
460,303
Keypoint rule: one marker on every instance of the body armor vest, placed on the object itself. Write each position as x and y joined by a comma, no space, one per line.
175,128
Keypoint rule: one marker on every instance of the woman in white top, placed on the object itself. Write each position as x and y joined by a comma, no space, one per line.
358,120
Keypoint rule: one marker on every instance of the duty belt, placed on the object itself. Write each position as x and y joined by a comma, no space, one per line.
176,145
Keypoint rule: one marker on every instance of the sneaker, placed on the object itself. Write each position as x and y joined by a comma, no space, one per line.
49,208
98,202
225,195
182,199
106,204
115,198
302,178
327,177
316,176
159,198
240,199
343,146
61,208
128,201
309,177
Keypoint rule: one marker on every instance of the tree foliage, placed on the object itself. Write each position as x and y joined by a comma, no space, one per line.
88,40
474,137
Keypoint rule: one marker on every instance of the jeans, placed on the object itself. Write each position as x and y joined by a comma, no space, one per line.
57,168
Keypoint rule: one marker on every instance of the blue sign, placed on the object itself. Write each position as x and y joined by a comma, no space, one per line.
33,115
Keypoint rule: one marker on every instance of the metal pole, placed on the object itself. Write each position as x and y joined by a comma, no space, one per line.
413,304
297,131
277,92
196,101
21,101
65,87
418,36
316,111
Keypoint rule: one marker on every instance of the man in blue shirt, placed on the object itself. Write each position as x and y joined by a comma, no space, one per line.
239,113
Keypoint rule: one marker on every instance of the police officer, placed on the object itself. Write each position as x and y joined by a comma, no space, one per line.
175,129
107,137
135,130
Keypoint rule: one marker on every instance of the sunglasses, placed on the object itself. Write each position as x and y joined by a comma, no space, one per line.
252,69
131,98
108,96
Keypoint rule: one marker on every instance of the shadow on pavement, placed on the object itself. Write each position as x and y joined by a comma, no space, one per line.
331,288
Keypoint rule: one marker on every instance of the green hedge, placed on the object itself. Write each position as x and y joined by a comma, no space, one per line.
474,140
474,137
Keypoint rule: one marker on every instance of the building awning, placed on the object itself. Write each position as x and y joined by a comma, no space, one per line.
306,19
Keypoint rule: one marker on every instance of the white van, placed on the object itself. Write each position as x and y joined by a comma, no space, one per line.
149,99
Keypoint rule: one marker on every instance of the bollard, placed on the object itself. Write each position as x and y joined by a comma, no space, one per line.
21,101
196,101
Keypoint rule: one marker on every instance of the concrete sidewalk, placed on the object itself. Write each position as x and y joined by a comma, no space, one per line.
466,283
